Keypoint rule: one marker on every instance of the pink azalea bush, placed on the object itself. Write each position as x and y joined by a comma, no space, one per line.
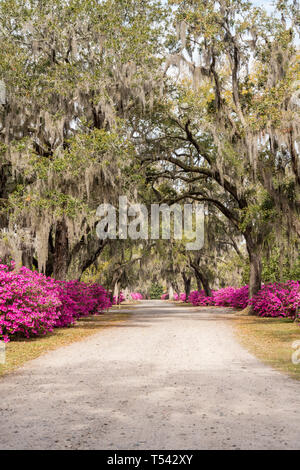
277,300
199,298
226,297
181,297
80,299
32,304
27,307
136,296
236,297
165,296
273,300
119,300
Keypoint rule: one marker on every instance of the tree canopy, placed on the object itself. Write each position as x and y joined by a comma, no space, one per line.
194,100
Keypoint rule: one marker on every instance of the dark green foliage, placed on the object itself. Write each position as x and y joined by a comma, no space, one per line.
156,291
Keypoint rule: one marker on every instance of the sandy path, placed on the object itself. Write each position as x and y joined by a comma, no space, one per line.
168,378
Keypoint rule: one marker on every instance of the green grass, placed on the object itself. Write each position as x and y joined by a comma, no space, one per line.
270,339
22,350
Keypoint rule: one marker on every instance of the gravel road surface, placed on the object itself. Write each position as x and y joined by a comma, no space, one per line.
170,377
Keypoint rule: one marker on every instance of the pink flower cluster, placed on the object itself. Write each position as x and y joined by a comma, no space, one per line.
199,298
32,304
277,300
236,297
119,300
164,296
273,300
136,296
180,297
80,299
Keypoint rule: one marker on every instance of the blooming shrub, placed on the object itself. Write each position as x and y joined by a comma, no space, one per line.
273,300
119,300
33,304
277,300
80,299
231,297
165,296
27,307
199,298
227,297
177,297
136,296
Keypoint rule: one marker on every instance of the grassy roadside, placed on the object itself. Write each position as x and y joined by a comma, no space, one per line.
270,339
22,350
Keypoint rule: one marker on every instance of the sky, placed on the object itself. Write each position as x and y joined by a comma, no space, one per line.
267,4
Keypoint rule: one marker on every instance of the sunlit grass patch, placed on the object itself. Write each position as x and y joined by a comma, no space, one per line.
270,339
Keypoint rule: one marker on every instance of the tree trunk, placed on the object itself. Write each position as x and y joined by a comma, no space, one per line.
49,263
83,255
115,285
206,286
61,251
117,291
187,286
126,293
199,283
255,254
27,258
175,287
255,273
202,280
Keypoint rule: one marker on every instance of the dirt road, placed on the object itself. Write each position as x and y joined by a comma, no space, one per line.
170,377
